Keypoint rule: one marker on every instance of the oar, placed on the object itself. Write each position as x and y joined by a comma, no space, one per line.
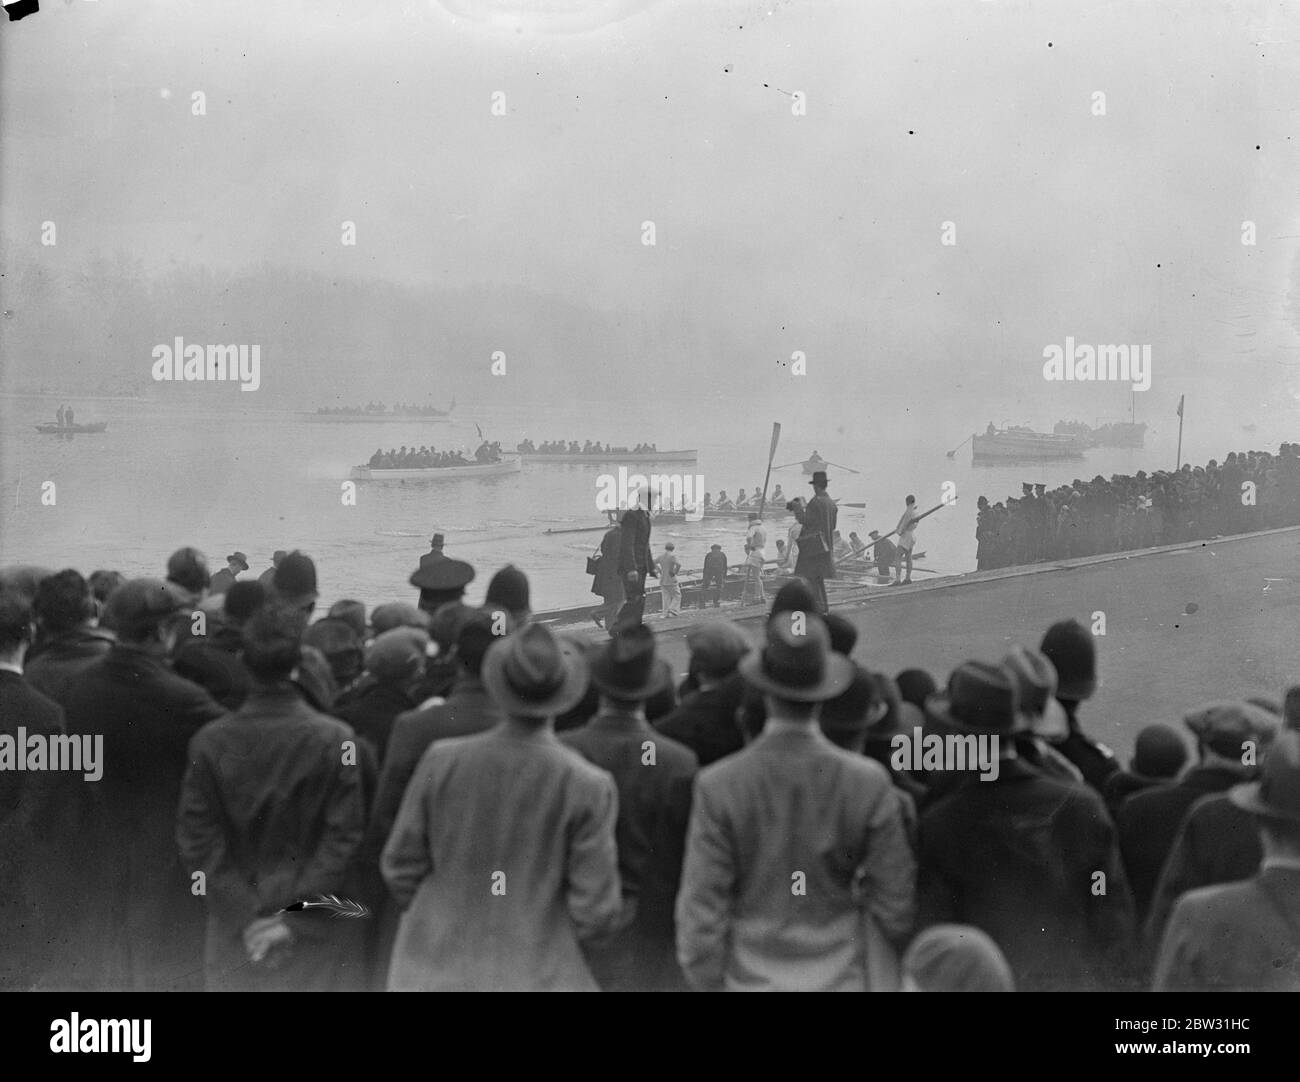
771,454
788,465
918,518
846,469
953,452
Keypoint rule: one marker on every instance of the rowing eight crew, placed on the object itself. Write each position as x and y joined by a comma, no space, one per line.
425,458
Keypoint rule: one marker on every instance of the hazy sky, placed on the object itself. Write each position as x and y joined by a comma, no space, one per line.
775,232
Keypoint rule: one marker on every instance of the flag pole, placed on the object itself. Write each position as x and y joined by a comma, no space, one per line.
1181,400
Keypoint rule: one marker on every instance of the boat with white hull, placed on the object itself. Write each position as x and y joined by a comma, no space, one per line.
508,464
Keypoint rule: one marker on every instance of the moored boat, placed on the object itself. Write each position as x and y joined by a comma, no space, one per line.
1024,444
508,464
71,430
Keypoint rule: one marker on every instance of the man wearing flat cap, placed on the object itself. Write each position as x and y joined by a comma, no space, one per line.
705,720
1245,936
1017,855
503,854
1231,738
136,924
796,848
654,775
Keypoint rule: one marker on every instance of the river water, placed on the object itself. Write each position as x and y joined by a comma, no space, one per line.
231,476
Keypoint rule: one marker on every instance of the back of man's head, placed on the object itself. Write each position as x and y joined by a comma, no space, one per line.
15,620
63,602
473,641
272,642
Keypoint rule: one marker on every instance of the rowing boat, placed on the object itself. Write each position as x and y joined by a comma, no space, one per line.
689,455
69,430
508,464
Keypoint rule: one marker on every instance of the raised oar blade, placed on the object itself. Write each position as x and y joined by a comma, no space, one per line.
331,904
771,454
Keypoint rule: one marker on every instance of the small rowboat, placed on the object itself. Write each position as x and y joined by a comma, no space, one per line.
689,455
69,430
508,464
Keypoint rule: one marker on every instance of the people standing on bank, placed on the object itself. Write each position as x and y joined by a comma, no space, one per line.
669,589
906,540
755,558
608,583
818,520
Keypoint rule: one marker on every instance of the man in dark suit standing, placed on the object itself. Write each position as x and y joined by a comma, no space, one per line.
635,561
816,561
30,804
654,775
138,924
1246,936
608,582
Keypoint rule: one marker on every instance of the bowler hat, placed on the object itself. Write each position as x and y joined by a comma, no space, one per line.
819,478
1277,793
1159,752
239,558
1070,648
625,666
981,698
534,673
797,663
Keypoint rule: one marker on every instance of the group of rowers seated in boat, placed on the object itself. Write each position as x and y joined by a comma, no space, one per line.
743,502
430,458
559,447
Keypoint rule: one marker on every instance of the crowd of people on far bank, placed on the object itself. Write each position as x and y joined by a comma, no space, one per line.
587,447
426,458
1249,490
514,807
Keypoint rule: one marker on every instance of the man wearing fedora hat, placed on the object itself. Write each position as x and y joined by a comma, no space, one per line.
1246,936
795,847
654,775
224,579
503,854
815,542
1018,855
